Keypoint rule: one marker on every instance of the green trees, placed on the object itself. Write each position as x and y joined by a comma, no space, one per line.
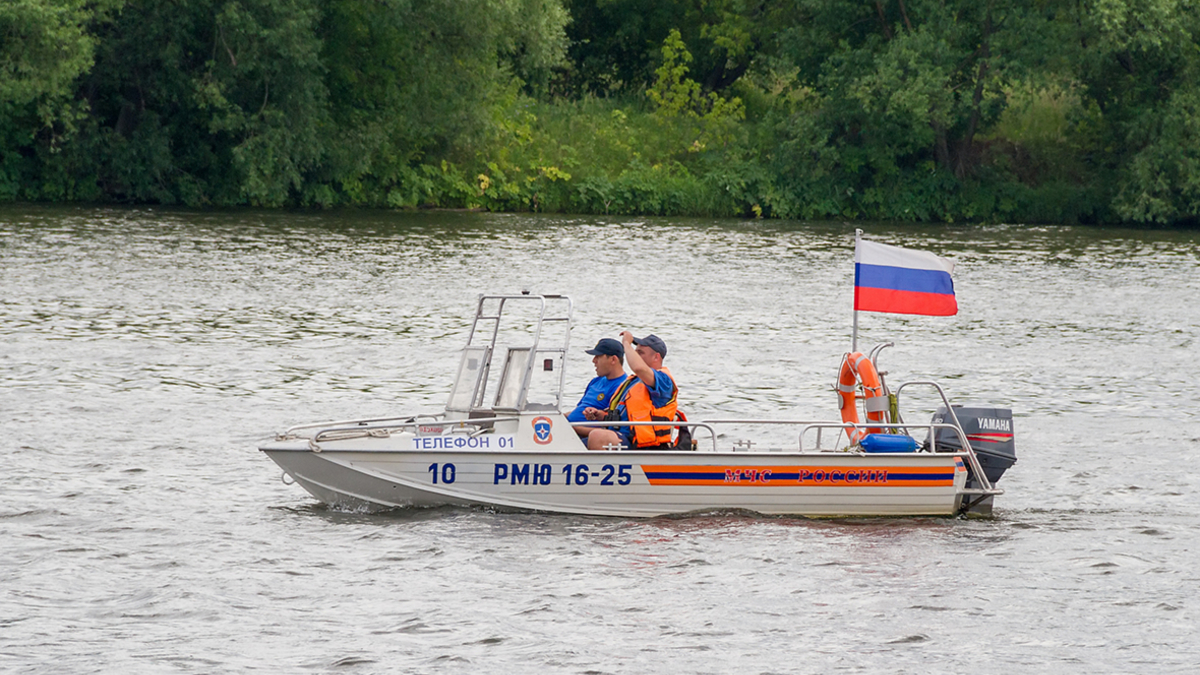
615,44
190,101
44,47
262,102
414,83
1141,67
1054,110
903,96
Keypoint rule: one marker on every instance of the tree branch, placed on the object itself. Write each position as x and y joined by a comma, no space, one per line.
904,13
976,99
266,93
232,58
887,31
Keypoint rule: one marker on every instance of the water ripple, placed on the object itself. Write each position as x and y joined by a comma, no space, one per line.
145,351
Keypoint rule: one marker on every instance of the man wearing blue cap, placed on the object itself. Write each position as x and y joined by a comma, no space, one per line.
608,356
649,396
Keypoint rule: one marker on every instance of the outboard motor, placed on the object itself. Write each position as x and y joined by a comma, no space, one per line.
990,432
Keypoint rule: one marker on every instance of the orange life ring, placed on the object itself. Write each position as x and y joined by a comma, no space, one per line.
858,368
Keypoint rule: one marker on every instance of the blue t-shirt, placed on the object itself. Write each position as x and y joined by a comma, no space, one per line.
660,394
595,396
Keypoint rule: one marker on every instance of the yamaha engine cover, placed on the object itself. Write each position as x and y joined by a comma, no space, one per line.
990,432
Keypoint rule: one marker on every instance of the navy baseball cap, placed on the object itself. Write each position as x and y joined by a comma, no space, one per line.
607,347
653,342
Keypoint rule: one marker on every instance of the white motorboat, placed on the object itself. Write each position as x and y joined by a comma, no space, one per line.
502,441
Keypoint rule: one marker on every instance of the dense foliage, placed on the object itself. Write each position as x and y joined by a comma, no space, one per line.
1035,111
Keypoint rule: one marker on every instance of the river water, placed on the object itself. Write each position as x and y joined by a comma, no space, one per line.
144,353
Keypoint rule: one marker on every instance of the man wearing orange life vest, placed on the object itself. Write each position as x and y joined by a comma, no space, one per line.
648,395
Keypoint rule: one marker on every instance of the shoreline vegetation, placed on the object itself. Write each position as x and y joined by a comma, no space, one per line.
1085,111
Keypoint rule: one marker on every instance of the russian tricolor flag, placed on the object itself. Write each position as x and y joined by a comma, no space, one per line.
902,281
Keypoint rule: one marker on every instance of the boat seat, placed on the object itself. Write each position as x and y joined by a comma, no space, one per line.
540,407
482,413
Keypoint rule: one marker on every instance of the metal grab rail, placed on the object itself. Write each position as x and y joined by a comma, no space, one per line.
819,425
769,421
928,426
478,426
976,467
340,433
409,419
968,451
601,424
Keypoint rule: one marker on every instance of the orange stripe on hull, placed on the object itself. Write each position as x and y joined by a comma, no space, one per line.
944,482
791,476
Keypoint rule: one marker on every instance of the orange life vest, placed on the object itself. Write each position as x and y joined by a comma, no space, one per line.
638,408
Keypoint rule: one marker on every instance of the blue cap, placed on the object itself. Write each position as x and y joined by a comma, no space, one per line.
607,347
653,342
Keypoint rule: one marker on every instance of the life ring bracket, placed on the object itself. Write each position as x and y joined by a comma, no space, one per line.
858,370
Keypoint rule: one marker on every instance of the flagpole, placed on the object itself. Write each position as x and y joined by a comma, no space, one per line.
854,335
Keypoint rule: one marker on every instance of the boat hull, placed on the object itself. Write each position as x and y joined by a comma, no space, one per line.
631,483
